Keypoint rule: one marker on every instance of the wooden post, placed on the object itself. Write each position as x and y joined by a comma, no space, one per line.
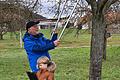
20,38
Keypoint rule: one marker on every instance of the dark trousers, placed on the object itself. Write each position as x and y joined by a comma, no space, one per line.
32,75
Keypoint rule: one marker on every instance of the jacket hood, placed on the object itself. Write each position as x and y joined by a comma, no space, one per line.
27,35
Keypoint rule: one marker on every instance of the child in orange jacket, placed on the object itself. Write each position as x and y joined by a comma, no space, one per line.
46,68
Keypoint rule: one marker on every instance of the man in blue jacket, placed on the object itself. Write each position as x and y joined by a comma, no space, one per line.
36,45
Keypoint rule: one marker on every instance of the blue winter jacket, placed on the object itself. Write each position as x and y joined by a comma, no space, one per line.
37,46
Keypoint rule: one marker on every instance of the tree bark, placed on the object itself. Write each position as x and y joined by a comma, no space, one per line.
1,37
97,46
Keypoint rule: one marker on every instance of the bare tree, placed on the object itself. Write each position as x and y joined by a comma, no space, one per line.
15,13
99,7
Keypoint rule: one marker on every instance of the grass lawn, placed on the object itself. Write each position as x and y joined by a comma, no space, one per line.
72,63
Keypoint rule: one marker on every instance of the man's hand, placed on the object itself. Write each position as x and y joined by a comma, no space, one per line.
56,42
55,31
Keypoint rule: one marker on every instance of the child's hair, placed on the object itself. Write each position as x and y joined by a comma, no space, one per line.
51,66
42,59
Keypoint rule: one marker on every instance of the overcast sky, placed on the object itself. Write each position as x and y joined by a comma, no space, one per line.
43,10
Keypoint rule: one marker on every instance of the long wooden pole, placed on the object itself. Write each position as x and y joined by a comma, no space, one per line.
68,20
56,25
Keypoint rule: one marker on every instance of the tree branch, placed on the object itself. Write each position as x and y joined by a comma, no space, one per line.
108,4
94,6
35,4
88,1
91,1
101,4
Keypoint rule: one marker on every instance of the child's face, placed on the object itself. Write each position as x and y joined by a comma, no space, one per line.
43,63
43,66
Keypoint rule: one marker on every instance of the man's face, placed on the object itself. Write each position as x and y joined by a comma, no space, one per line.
33,30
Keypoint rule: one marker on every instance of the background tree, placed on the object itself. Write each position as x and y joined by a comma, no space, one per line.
15,13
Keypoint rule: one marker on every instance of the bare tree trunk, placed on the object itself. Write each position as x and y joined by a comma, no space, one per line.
97,42
105,45
89,26
1,37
